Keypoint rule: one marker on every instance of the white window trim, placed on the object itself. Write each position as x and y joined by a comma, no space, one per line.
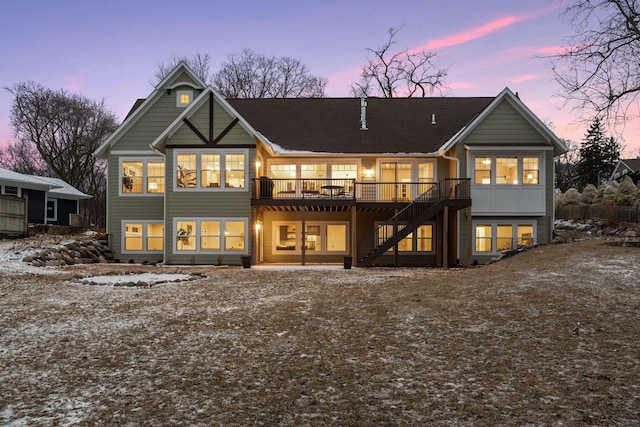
55,209
145,162
144,224
18,190
198,220
414,241
223,184
494,233
178,96
471,168
329,162
415,163
323,242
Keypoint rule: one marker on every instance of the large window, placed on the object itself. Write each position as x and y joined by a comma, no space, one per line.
502,236
142,176
506,170
143,236
208,235
419,241
319,237
211,170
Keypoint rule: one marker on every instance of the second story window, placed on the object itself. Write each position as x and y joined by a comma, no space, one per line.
142,176
222,169
506,170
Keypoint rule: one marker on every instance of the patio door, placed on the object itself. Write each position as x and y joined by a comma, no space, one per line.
396,178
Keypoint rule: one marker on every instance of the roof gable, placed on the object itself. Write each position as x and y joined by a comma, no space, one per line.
209,94
513,101
181,75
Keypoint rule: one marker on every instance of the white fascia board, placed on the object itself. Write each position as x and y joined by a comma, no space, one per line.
528,115
158,143
148,102
508,147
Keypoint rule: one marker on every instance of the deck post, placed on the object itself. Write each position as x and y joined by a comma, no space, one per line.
304,235
445,237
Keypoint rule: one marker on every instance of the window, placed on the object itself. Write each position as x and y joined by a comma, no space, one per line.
504,237
320,237
482,171
425,177
483,238
143,236
419,241
506,170
142,176
424,238
212,170
530,170
497,237
183,98
210,235
52,209
11,191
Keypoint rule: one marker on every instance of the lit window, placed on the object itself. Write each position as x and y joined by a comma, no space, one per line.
530,170
142,176
187,172
234,235
525,235
336,238
210,240
483,238
234,170
143,236
184,98
185,235
482,170
504,237
204,169
507,170
320,237
207,235
210,170
425,238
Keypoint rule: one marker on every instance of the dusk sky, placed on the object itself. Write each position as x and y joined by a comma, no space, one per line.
110,49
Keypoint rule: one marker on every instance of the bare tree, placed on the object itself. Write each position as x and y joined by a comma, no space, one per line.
199,63
23,157
600,69
252,75
405,73
65,129
566,165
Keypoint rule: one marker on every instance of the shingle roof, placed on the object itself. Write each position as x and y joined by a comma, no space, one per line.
332,125
64,189
632,163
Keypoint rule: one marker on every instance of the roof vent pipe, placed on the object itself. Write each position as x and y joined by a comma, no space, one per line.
363,113
433,118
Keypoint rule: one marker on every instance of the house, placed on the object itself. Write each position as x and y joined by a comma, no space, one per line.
194,178
50,200
626,167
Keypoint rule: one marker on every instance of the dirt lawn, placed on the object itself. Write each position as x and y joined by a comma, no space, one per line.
547,337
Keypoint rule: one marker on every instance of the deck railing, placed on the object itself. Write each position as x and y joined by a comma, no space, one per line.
350,189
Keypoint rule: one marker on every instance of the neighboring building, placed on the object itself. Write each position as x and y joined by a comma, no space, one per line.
626,167
197,179
50,200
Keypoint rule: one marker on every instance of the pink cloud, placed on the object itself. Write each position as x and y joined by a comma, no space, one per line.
461,85
524,78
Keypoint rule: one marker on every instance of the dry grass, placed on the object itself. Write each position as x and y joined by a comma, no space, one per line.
495,345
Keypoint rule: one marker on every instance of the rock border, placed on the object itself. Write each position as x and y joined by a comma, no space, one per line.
89,279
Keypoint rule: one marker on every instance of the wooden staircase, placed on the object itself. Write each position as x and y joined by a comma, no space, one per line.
425,207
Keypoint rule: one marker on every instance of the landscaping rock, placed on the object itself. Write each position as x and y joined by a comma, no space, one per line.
78,252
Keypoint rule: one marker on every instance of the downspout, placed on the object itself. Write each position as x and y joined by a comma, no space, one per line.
457,162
